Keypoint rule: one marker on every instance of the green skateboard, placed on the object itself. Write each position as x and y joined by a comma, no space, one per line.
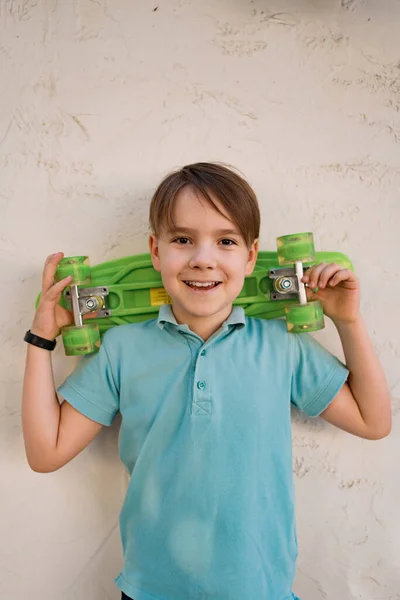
128,290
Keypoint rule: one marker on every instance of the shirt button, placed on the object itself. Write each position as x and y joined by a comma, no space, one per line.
201,385
203,353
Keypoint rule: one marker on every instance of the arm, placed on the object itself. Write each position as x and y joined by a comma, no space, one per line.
362,406
53,434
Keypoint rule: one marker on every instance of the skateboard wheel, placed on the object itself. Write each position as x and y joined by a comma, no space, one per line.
77,266
81,340
296,247
302,318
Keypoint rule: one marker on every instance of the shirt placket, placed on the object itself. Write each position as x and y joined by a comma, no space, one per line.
202,369
201,404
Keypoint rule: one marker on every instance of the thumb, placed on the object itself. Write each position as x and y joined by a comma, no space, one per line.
310,293
92,315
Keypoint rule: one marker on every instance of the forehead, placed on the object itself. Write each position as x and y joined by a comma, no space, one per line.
191,209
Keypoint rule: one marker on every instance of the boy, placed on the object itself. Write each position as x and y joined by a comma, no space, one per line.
205,395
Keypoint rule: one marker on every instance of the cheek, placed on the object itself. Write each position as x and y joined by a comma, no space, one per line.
237,273
171,264
237,266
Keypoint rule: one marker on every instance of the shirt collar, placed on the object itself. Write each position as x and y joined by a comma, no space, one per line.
237,317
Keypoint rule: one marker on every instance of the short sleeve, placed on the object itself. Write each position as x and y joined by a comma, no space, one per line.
92,387
317,375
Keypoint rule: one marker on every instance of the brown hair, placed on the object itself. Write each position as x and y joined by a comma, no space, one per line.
233,192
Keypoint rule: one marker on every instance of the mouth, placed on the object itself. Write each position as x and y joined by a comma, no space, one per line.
202,286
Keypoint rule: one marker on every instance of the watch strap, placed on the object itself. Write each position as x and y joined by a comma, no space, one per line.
36,340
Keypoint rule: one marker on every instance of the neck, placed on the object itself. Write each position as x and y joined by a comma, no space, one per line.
204,327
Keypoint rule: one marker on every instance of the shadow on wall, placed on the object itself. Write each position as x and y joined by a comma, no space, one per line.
291,7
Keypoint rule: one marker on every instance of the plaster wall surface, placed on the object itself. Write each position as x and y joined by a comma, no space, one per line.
101,99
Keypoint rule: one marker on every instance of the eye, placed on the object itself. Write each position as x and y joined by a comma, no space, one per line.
228,242
181,240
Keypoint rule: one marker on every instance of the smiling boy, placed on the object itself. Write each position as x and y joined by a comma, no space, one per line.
203,258
205,395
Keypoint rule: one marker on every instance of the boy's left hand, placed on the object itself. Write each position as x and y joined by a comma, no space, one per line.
338,291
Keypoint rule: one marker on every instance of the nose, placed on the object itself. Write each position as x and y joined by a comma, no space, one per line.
203,257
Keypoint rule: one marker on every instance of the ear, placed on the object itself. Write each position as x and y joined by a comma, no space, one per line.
251,261
154,251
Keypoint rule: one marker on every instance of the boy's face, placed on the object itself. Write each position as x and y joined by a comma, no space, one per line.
205,248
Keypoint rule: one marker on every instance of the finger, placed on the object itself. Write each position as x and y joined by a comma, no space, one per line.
308,275
92,315
49,270
312,275
342,275
329,272
310,294
55,290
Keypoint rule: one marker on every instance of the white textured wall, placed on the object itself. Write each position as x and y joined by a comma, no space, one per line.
98,101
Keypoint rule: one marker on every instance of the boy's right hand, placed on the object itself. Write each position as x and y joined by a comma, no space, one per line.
50,316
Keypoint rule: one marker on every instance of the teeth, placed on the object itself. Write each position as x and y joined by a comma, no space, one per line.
198,284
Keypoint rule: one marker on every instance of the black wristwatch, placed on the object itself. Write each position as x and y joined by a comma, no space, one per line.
36,340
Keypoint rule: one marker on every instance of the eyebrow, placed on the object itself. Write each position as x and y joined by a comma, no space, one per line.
191,231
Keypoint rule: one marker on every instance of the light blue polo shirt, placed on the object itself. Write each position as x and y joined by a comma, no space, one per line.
206,437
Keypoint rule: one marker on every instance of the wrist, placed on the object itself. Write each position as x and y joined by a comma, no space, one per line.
349,324
39,341
47,335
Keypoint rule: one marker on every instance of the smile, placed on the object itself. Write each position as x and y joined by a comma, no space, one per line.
202,285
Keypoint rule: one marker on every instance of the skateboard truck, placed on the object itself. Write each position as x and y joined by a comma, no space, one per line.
87,300
287,284
293,251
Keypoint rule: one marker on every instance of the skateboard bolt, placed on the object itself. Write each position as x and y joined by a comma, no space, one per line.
283,284
92,303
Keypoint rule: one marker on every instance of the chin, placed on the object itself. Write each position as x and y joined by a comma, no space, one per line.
206,311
